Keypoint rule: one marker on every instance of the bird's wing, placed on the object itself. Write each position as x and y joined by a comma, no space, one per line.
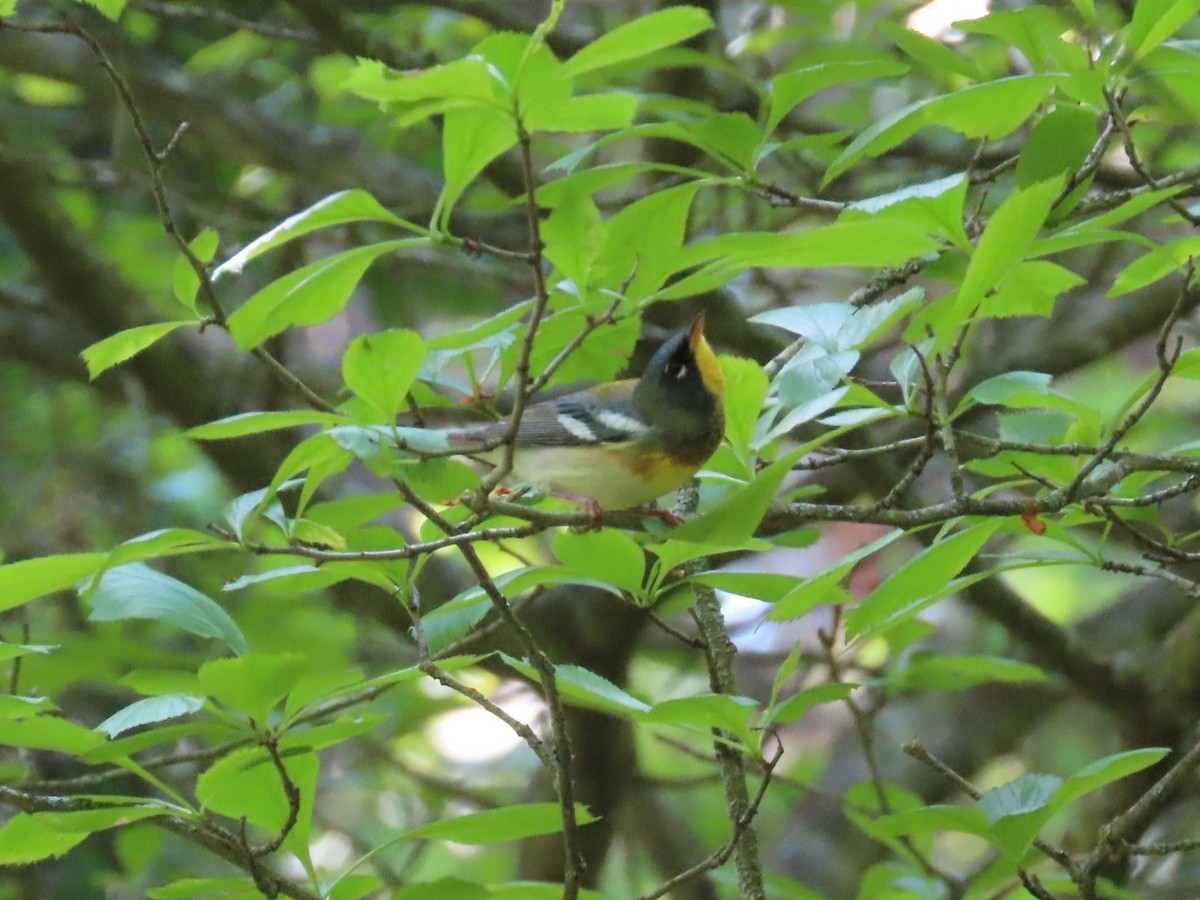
601,415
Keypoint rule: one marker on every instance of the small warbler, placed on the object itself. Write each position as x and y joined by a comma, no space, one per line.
622,444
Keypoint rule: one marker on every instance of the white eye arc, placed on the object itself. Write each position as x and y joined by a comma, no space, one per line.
677,370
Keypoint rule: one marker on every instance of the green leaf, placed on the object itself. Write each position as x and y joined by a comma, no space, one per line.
471,138
30,837
312,294
793,708
8,7
1005,241
110,9
929,52
591,112
706,711
574,233
790,89
736,517
959,673
640,37
993,110
1096,775
29,579
337,209
644,240
15,651
585,688
48,733
1030,289
224,888
254,683
246,783
380,368
921,577
1154,21
150,709
765,586
136,591
731,138
465,79
246,423
103,355
928,820
746,388
609,555
444,889
1058,143
1155,265
999,389
499,826
184,282
936,205
1018,810
157,544
824,587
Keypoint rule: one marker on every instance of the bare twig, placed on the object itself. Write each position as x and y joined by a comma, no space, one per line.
917,466
1166,362
721,855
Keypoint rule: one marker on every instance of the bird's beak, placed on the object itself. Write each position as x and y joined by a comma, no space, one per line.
696,335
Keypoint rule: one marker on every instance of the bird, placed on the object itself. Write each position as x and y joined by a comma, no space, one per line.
623,444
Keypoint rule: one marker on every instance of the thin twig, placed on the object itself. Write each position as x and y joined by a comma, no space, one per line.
1114,109
1166,362
928,447
721,855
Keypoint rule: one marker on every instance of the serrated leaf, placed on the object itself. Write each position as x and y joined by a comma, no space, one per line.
254,683
793,708
380,368
1018,810
736,517
246,783
310,295
959,673
726,712
150,709
582,687
136,591
1058,143
609,555
110,9
993,110
999,389
929,52
824,587
790,89
1096,775
29,579
1154,21
640,37
337,209
115,349
922,576
471,138
184,281
1155,265
498,826
1006,240
248,423
224,888
30,837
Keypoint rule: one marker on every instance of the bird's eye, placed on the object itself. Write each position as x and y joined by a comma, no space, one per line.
676,370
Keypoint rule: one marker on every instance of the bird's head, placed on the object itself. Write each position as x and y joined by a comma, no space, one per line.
682,385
